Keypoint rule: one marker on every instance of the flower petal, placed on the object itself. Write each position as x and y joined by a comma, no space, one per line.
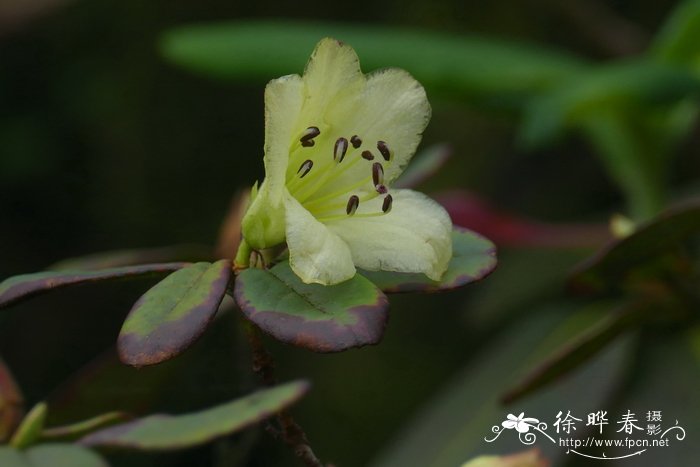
316,254
415,236
522,427
509,424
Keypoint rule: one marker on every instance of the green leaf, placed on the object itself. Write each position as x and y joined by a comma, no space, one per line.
424,165
167,432
317,317
679,39
120,258
167,319
609,267
11,402
18,288
51,455
451,428
473,258
81,428
30,429
498,71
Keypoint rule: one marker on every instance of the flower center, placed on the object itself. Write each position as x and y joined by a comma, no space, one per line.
333,176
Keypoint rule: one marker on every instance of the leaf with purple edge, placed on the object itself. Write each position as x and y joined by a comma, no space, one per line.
168,318
78,429
473,258
169,432
51,455
189,253
318,317
665,233
11,402
424,165
22,287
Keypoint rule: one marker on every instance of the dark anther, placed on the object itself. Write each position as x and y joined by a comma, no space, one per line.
307,138
384,150
353,203
305,168
377,174
356,141
381,189
386,205
368,155
341,147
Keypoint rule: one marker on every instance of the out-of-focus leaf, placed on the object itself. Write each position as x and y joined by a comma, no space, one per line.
577,351
473,258
452,427
120,258
317,317
81,428
496,71
167,432
609,267
11,402
21,287
29,431
424,165
230,230
51,455
167,319
679,39
507,229
529,458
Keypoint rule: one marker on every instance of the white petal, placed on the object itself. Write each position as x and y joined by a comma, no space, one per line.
283,102
522,427
508,424
416,236
316,254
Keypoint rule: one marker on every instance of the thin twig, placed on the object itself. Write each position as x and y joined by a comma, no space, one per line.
289,430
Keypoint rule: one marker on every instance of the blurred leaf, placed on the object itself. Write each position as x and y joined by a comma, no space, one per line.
230,230
497,71
168,318
529,458
166,432
120,258
679,39
424,165
621,85
11,402
18,288
452,427
318,317
473,258
51,455
76,430
609,267
577,350
29,431
509,229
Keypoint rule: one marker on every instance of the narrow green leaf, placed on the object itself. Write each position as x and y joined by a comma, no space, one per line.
679,38
11,402
498,71
317,317
30,429
167,319
473,258
607,269
424,165
169,432
120,258
51,455
81,428
18,288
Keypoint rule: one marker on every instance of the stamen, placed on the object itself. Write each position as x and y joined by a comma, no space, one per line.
353,203
305,168
386,205
368,155
341,147
381,189
377,174
384,150
307,138
356,141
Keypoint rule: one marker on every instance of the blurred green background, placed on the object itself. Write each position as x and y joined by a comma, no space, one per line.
105,144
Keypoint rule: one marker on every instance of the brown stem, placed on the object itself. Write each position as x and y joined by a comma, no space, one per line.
289,430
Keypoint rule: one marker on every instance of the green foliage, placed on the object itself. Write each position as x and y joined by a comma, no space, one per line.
51,455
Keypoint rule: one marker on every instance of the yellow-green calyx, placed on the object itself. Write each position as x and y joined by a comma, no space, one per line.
335,140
